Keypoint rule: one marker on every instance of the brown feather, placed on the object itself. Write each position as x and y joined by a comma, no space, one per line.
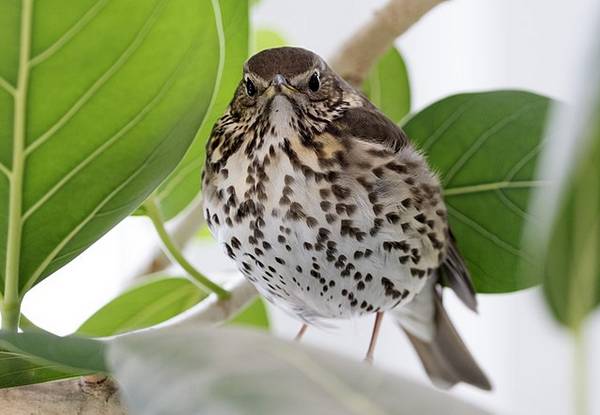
446,359
369,124
455,275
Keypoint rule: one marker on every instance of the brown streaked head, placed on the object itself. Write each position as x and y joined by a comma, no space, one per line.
291,81
286,61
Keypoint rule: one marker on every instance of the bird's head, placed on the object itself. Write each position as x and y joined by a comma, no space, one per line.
291,82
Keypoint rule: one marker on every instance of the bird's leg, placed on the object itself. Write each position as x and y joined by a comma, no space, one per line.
301,332
374,335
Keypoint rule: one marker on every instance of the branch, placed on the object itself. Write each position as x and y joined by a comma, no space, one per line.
212,311
358,54
184,230
69,397
174,251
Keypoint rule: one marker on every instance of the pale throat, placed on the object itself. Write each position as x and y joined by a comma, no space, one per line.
282,116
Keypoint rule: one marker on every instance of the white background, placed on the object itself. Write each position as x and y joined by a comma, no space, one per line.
463,45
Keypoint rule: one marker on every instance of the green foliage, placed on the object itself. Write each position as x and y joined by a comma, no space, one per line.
144,305
388,86
255,315
572,260
248,372
155,301
267,39
17,369
568,250
182,187
485,147
106,102
34,357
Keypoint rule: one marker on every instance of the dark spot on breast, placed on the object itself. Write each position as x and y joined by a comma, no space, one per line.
340,192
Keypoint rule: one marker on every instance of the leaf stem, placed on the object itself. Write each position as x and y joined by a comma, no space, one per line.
153,212
11,306
579,372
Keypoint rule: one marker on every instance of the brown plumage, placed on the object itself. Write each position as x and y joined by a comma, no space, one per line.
328,210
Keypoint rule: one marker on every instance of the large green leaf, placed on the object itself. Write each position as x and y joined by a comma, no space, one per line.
388,86
17,369
144,305
267,39
106,98
34,357
183,185
233,372
485,147
568,248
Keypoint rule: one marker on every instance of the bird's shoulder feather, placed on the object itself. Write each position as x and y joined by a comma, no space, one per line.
368,124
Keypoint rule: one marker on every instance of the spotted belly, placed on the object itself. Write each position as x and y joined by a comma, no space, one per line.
323,244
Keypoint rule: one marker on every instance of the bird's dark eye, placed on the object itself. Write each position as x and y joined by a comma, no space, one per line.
250,88
314,83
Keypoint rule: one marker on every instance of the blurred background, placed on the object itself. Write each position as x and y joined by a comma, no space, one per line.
463,45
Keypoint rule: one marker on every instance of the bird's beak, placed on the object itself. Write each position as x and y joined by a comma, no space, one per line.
280,85
278,81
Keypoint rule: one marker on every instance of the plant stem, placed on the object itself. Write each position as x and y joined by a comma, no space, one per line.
579,372
153,212
11,306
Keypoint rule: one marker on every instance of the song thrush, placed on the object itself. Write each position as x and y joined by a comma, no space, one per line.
327,208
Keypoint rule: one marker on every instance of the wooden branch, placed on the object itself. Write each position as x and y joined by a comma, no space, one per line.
68,397
359,53
213,311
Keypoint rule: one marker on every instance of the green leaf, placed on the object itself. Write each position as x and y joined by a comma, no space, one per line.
267,39
568,248
227,371
485,147
182,187
255,315
17,369
106,98
388,86
34,357
144,305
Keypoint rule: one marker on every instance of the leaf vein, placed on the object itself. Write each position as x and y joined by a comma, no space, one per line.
51,256
484,232
482,139
433,138
108,143
69,34
512,206
4,170
7,86
108,74
486,187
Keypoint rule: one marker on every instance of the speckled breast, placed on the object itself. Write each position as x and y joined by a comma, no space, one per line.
330,230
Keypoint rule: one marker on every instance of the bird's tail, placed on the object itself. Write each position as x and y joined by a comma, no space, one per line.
444,355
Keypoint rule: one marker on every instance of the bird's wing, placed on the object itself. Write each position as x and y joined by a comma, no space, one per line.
454,274
368,124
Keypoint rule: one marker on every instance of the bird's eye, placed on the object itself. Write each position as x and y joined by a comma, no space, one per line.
314,83
250,88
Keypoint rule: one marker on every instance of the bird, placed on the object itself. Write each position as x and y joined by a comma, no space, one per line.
330,211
